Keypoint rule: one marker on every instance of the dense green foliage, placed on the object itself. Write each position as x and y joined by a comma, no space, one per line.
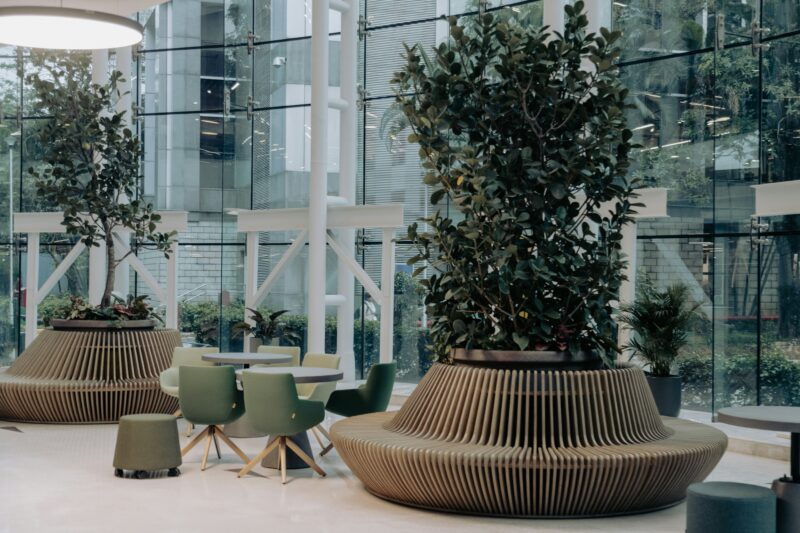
522,134
659,320
265,327
91,159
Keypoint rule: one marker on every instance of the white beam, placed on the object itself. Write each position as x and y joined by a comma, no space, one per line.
171,303
32,289
356,269
777,199
59,272
335,300
276,271
51,222
354,216
339,104
122,248
340,5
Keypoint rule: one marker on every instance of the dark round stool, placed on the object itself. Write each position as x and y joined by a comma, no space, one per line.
723,507
146,443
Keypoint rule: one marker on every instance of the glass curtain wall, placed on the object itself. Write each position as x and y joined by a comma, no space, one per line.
714,104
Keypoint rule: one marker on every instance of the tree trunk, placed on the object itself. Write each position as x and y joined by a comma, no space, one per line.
110,269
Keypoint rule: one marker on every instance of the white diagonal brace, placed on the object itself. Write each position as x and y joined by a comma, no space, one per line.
59,272
360,274
284,261
140,268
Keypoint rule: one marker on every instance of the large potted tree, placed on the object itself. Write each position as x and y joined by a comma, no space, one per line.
98,362
521,132
91,171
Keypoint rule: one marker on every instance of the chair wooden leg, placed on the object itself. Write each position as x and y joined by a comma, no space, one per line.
325,432
326,449
317,436
306,459
232,446
209,438
194,442
258,458
282,451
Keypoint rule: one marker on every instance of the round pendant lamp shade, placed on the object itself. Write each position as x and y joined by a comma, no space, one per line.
60,28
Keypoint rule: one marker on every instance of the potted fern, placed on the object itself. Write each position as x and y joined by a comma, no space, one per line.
659,320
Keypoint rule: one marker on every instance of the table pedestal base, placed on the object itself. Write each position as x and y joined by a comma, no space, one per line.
788,493
293,462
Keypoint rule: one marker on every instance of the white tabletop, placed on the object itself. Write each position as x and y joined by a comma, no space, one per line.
247,358
774,418
302,374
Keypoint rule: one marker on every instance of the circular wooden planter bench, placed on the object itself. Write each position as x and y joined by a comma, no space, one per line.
529,444
78,377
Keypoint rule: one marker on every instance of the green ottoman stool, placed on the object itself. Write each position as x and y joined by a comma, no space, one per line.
724,507
146,443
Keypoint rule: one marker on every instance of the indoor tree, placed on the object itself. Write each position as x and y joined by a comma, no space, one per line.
91,159
523,139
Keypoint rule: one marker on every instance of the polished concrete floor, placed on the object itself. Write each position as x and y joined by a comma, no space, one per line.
59,478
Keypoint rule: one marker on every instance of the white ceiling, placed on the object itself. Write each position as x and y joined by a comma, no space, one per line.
120,7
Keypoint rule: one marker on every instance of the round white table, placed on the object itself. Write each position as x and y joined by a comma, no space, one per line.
776,418
301,374
247,358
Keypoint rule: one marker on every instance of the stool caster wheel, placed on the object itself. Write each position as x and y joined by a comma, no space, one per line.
140,474
173,472
118,472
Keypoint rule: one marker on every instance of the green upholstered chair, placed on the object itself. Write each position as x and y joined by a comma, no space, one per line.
724,507
209,396
275,409
182,356
294,351
371,397
146,443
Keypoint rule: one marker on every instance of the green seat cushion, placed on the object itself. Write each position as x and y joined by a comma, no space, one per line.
147,442
727,507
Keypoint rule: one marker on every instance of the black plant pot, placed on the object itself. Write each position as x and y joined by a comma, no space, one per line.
667,393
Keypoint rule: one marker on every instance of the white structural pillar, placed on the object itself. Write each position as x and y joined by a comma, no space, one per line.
348,138
97,254
318,189
32,289
387,292
124,61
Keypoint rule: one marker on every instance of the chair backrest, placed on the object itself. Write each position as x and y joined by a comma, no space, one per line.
208,395
379,386
271,401
321,360
294,351
319,391
192,356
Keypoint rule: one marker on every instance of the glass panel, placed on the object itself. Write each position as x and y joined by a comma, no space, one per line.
288,19
663,262
9,301
781,16
779,371
736,321
672,116
384,49
383,12
734,123
780,115
185,23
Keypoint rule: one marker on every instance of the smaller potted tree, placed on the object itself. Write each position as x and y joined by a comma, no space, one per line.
265,329
659,321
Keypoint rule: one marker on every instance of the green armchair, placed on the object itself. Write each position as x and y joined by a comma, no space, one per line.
208,396
275,409
182,356
371,397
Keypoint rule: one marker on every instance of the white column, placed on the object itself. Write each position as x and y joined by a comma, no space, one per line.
250,279
348,138
318,189
32,289
172,287
627,289
599,15
553,14
124,61
97,254
387,291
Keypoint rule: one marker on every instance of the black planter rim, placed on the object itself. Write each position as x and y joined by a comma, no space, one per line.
60,324
532,359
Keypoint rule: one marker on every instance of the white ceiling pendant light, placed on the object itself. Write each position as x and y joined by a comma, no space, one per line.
63,28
